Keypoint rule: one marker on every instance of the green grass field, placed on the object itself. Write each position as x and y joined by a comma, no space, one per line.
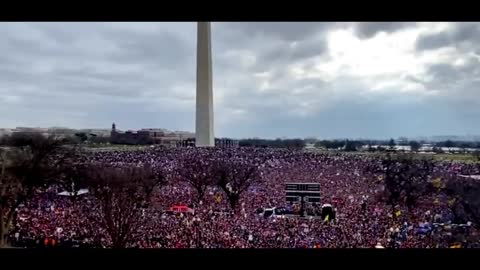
456,157
116,147
452,157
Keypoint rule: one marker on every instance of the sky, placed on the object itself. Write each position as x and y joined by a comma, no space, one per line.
270,79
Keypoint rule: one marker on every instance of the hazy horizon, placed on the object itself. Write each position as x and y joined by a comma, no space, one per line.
296,80
420,137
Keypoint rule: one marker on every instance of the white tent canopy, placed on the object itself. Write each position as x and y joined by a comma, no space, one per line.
475,177
80,192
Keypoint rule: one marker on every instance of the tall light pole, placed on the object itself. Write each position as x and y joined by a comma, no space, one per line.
204,135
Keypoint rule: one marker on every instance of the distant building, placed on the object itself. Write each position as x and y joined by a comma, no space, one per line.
167,138
149,136
130,137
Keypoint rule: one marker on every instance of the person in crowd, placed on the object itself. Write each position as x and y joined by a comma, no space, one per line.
362,220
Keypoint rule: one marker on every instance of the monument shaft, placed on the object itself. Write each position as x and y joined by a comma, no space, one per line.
204,135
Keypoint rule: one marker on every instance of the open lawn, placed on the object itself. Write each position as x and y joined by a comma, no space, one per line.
445,156
116,147
456,157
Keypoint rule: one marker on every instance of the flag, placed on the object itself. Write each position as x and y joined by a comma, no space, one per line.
398,213
327,218
451,202
437,182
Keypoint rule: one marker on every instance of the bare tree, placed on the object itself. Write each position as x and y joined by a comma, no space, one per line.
476,155
392,144
150,178
198,173
392,183
235,177
417,173
30,161
414,146
406,179
466,206
122,195
73,178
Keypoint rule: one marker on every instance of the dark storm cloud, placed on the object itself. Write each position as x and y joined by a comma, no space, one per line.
266,81
432,41
105,66
163,50
454,79
274,44
285,31
50,41
295,104
370,29
460,33
291,53
80,74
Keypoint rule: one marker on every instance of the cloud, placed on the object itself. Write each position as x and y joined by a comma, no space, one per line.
370,29
270,79
456,81
459,34
164,50
285,31
271,44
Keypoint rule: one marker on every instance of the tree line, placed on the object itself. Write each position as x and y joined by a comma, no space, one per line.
344,144
277,143
77,138
457,144
353,145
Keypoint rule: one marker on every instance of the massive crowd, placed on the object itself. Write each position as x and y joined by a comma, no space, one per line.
347,182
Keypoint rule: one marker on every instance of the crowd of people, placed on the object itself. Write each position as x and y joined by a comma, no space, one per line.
363,219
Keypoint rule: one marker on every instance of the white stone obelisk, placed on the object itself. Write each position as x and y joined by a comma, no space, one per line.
204,136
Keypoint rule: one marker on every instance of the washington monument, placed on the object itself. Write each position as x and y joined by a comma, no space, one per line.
204,136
